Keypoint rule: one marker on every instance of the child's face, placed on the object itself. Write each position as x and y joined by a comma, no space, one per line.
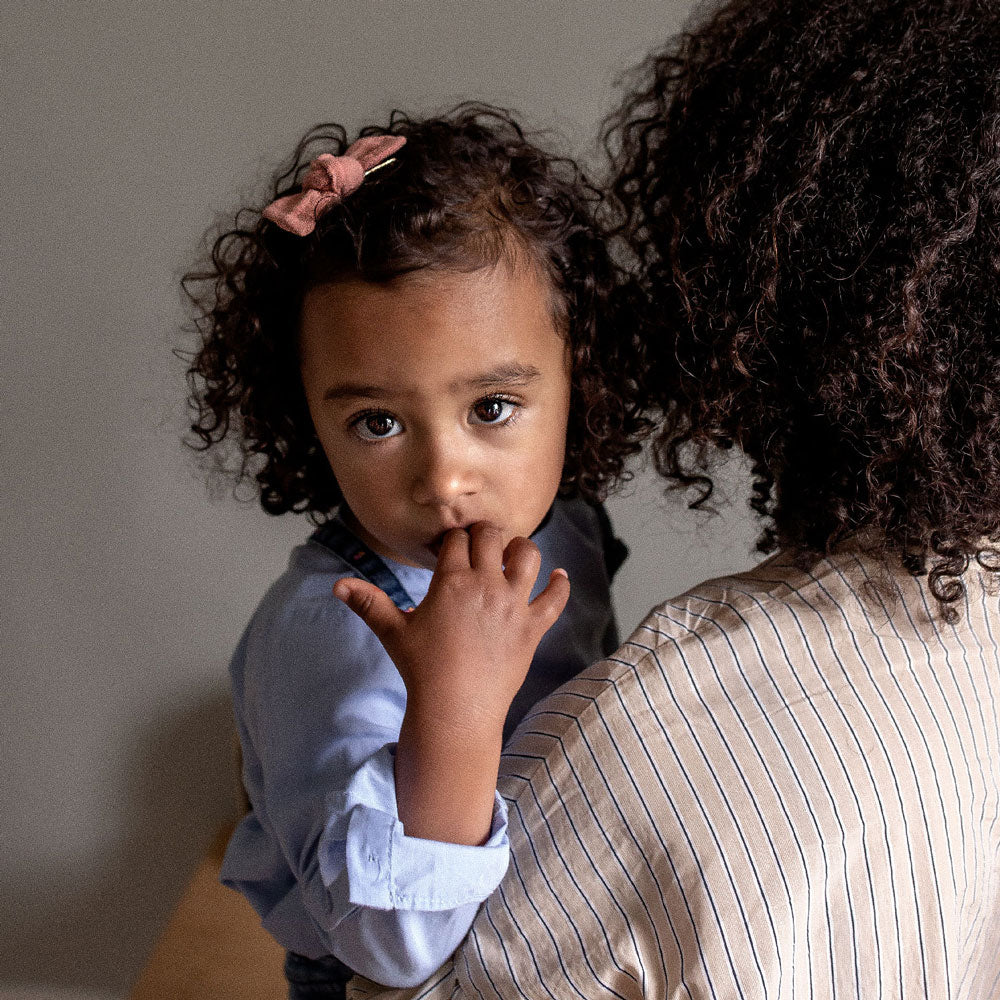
440,399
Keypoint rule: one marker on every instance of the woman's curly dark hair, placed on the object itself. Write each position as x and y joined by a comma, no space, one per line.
467,189
811,191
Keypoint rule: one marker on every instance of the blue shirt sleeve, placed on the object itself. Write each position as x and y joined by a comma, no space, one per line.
319,705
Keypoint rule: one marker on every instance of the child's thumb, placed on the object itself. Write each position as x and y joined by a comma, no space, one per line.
373,606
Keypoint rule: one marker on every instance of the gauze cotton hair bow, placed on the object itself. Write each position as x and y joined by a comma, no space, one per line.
331,179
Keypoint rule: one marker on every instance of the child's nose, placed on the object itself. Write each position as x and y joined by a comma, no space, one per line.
444,474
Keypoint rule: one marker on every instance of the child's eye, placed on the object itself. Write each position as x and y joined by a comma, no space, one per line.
493,410
376,426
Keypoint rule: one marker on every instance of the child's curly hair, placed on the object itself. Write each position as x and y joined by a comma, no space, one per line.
812,193
466,191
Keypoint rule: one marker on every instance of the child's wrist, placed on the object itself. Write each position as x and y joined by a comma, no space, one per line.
467,714
461,724
446,774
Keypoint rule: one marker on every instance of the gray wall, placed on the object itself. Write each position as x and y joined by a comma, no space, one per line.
125,128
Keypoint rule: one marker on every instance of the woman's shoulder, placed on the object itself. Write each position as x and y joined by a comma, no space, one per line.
720,623
686,655
778,594
738,633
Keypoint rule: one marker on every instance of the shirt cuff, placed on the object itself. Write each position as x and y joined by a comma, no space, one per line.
387,870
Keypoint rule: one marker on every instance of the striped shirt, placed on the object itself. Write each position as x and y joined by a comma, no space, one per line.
784,785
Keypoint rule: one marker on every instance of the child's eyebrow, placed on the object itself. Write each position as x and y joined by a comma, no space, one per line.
354,390
503,374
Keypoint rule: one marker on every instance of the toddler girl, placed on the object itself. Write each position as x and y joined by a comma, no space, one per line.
408,345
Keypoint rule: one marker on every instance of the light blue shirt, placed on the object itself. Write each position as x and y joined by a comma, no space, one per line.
322,855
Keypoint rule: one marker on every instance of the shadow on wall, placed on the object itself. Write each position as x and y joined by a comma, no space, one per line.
91,928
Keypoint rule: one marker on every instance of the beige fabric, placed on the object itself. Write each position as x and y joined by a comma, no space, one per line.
783,786
213,946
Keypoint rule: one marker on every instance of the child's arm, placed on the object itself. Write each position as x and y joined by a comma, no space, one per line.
323,856
462,654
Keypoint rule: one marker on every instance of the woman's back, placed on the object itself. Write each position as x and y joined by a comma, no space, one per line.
784,785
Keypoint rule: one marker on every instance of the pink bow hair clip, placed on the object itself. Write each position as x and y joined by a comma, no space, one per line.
331,179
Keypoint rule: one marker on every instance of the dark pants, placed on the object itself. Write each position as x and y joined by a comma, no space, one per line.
316,978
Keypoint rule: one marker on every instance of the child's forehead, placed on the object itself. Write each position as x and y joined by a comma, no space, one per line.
512,275
440,326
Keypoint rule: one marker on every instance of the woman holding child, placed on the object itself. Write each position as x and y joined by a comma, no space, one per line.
787,783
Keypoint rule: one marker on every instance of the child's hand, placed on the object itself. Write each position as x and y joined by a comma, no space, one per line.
462,654
469,644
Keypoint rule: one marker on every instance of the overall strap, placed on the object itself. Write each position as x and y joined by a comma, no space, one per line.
366,564
615,550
